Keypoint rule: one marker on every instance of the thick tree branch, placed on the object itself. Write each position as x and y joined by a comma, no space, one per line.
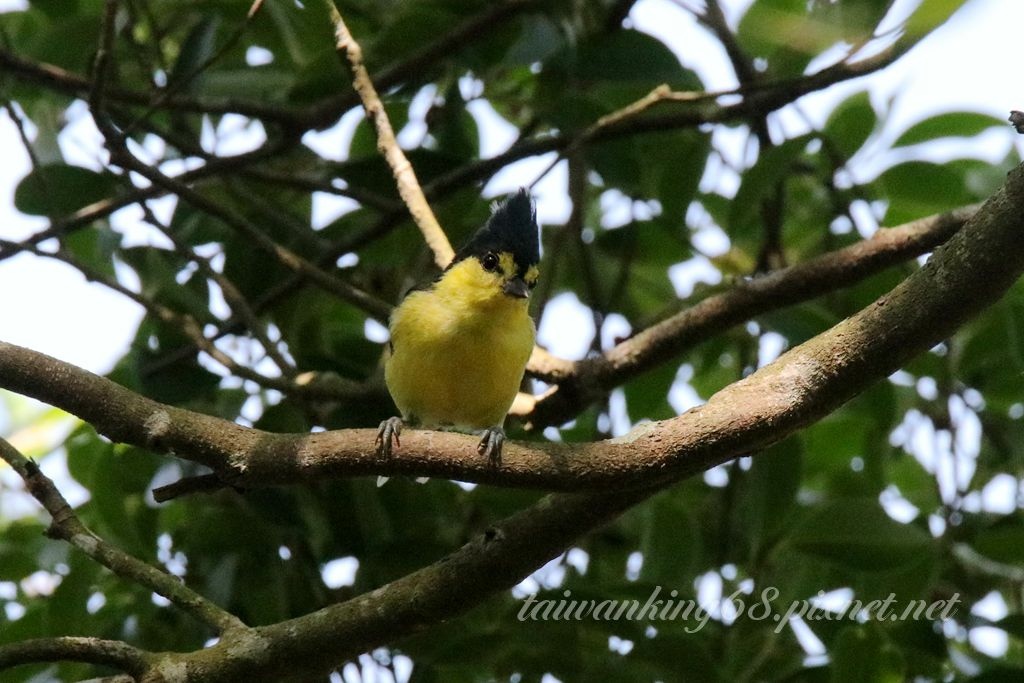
493,561
112,653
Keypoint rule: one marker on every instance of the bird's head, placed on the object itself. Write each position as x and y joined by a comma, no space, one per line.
502,256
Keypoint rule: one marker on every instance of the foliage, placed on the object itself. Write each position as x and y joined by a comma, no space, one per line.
892,494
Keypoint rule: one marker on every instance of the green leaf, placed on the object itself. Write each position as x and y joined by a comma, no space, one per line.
856,19
669,540
851,123
94,248
21,548
266,83
68,42
954,124
302,32
199,46
626,56
317,79
769,492
165,280
84,448
929,15
647,396
1012,624
1003,542
770,24
538,40
835,440
773,167
784,33
862,655
452,128
999,674
55,9
856,532
57,190
364,138
918,188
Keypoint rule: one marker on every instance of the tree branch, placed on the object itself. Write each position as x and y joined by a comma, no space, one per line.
103,208
66,526
121,155
293,119
582,382
405,177
112,653
324,386
493,561
60,80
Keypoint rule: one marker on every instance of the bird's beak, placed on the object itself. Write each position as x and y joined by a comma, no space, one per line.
517,287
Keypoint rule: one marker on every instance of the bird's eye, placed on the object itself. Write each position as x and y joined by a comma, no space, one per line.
490,262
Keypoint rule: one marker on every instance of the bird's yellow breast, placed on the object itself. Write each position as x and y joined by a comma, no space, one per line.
459,350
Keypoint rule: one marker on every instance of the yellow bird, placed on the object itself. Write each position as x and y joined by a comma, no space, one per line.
459,348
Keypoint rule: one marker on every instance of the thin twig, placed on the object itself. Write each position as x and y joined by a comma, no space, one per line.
87,215
178,84
186,486
232,295
313,184
61,80
575,226
306,385
121,155
66,526
405,177
19,124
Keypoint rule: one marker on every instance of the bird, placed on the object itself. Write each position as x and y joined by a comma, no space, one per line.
459,347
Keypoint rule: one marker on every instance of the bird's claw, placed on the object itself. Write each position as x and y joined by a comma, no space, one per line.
490,444
390,429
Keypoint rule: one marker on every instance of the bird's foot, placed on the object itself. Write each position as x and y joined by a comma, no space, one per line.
389,430
490,444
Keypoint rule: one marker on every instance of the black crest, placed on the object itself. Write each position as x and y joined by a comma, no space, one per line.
511,227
